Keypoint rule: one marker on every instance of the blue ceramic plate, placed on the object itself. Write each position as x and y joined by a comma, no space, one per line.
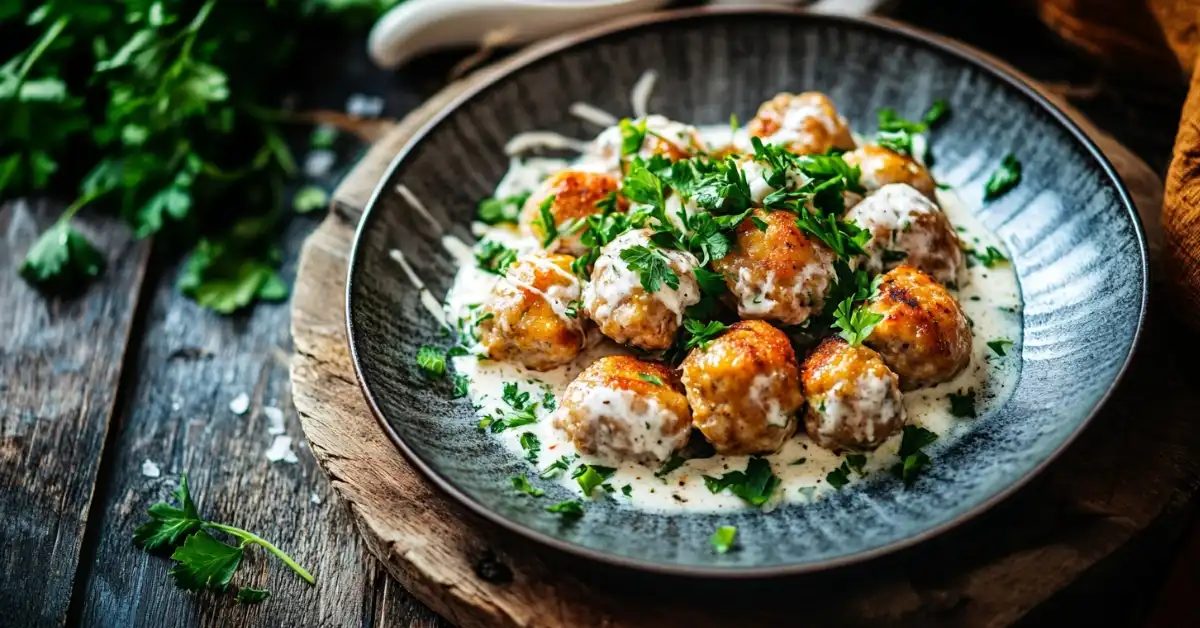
1071,228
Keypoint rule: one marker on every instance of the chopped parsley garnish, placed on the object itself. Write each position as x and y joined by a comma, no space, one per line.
754,485
627,490
514,396
759,223
569,509
633,134
962,405
432,361
798,461
548,401
1000,346
250,595
556,467
494,211
532,446
521,413
643,186
652,268
828,177
546,222
1005,178
711,283
672,463
856,463
839,477
521,483
494,257
846,239
912,459
593,476
572,309
653,379
896,133
722,539
855,323
937,112
990,257
701,334
462,385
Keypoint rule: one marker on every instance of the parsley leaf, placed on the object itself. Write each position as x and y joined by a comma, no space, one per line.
754,485
999,346
936,114
633,134
593,476
1005,178
494,211
855,323
521,484
168,524
856,463
672,463
545,222
722,539
432,361
962,405
845,239
653,379
990,257
652,267
462,385
494,257
912,459
531,444
61,260
643,186
203,561
839,477
701,334
627,490
556,467
250,595
570,509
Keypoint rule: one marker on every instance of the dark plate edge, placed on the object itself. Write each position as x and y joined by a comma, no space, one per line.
968,54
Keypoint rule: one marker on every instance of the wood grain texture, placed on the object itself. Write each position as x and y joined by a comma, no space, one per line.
1016,562
176,414
60,362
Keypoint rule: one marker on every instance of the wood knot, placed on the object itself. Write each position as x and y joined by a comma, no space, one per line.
491,569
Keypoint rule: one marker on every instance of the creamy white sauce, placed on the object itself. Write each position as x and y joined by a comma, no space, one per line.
990,299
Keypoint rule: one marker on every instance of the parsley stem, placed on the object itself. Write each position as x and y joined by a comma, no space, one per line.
36,52
80,203
250,537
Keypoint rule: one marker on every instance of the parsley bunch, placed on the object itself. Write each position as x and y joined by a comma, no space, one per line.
161,112
202,560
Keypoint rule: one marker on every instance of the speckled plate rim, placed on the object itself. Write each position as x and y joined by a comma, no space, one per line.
963,52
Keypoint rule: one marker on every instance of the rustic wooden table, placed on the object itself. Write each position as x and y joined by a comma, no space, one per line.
130,371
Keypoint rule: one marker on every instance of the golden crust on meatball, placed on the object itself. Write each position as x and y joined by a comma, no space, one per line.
778,274
881,166
744,388
575,196
924,336
621,408
524,318
804,123
854,399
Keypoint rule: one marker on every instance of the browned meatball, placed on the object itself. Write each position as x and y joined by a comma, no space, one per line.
924,336
526,318
575,196
621,408
778,274
803,123
665,137
744,388
616,301
881,166
907,228
854,399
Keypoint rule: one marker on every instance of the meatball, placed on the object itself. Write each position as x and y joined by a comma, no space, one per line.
854,399
907,228
621,408
666,137
744,388
924,336
527,317
804,124
777,274
575,196
881,166
620,305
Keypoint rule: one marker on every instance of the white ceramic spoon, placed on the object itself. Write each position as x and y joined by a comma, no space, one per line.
418,26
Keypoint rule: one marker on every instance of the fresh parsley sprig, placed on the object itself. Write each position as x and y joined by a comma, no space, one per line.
495,211
652,266
202,560
494,257
855,323
754,485
845,239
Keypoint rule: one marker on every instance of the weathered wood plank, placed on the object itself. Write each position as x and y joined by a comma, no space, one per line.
177,414
60,362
